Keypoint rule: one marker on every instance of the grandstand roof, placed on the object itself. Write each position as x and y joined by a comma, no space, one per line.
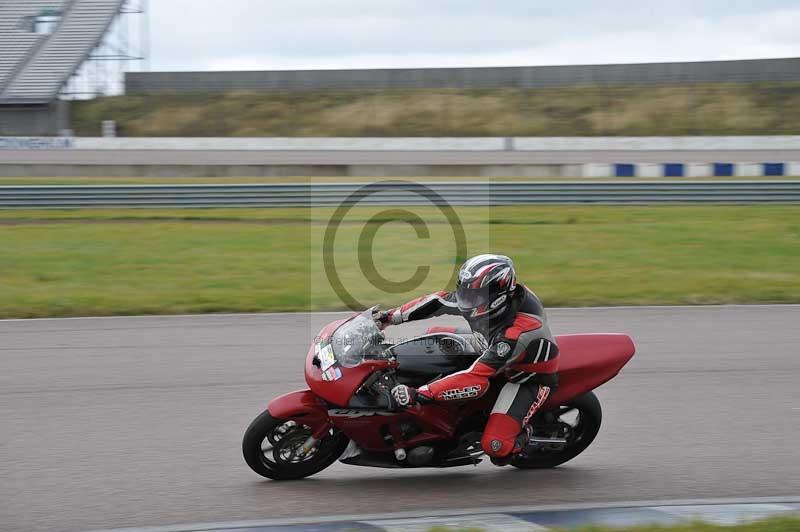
35,66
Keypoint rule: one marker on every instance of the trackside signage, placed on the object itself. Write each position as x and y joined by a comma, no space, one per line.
36,143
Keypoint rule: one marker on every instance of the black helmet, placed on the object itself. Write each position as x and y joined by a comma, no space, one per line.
484,287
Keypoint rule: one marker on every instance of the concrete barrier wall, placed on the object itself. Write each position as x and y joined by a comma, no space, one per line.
311,171
403,157
400,144
295,143
467,78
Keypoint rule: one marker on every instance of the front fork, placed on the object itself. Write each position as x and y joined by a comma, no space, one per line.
315,438
304,408
309,444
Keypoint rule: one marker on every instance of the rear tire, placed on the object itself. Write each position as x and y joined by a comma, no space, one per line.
590,415
270,445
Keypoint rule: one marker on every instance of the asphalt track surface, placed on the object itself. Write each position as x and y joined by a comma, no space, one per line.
138,421
356,157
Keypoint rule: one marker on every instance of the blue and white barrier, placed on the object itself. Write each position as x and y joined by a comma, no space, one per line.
677,170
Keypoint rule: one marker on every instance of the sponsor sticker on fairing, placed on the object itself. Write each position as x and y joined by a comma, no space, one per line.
358,412
326,357
332,374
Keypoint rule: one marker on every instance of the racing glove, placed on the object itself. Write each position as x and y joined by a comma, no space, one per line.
382,318
404,396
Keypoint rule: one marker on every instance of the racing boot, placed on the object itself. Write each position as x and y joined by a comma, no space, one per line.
519,446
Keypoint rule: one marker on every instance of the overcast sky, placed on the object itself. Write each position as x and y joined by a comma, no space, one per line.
299,34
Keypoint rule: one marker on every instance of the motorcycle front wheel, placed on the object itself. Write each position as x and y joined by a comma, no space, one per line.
578,422
273,448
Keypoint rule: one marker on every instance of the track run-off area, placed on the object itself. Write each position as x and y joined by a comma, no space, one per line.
121,422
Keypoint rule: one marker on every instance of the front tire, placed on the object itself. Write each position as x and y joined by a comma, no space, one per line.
579,436
271,448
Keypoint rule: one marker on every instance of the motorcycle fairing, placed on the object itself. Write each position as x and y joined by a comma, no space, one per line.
302,406
587,361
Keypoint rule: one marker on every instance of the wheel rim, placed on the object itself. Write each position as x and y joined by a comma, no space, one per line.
281,447
278,432
289,449
571,425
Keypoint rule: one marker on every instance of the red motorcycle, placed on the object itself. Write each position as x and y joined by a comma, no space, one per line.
346,413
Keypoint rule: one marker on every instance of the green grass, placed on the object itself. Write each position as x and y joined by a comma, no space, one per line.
717,109
773,524
120,262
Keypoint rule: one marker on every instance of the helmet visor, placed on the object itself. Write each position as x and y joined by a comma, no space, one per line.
472,298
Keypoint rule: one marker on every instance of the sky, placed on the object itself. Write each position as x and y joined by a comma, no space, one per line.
330,34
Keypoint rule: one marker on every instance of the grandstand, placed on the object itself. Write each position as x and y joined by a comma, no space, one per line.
18,37
43,43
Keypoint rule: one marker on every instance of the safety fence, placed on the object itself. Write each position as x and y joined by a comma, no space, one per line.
399,193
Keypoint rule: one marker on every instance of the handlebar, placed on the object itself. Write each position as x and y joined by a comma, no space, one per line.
425,400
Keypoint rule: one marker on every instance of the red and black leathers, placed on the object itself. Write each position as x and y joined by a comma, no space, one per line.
518,343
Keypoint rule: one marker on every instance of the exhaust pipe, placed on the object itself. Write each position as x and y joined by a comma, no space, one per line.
559,441
554,444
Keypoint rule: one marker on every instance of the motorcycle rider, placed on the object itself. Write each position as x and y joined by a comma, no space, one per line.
511,320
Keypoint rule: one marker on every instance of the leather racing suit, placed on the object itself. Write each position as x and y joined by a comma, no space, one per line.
519,343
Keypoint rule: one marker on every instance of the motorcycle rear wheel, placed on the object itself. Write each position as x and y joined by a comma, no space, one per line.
271,447
582,435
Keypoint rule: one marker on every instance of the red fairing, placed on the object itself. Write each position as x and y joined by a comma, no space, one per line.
440,329
341,390
303,406
587,361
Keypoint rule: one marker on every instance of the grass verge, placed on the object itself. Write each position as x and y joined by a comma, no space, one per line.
773,524
122,262
715,109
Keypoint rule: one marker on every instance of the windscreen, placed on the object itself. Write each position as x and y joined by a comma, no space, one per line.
356,340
